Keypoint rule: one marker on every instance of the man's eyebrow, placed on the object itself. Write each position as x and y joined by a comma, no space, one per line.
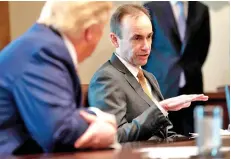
139,35
136,35
150,34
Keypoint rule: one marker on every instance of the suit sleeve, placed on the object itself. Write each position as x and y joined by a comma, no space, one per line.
45,98
105,92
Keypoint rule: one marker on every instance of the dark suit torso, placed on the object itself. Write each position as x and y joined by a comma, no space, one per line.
169,56
39,94
115,90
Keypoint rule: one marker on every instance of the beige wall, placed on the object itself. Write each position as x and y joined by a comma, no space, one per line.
22,16
216,69
217,66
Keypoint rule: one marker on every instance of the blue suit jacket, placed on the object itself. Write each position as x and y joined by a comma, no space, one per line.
39,94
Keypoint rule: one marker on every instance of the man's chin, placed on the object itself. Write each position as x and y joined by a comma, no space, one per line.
143,63
140,63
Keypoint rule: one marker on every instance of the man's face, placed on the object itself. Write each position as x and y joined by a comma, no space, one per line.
135,44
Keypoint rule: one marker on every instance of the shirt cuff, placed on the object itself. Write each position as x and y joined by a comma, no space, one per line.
164,112
97,111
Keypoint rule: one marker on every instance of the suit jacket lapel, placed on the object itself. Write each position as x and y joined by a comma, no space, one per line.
137,87
130,78
192,22
189,22
72,70
164,15
153,85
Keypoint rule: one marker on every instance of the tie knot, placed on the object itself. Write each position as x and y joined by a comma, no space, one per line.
140,75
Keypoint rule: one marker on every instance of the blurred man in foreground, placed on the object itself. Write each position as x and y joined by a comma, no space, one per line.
40,92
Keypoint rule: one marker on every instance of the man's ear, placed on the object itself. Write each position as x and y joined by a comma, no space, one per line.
88,34
114,39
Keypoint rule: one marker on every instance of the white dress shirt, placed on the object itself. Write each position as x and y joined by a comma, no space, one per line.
71,50
176,13
134,71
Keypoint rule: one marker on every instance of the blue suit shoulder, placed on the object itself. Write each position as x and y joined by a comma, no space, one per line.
29,47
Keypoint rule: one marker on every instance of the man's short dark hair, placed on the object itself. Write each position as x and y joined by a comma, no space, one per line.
123,10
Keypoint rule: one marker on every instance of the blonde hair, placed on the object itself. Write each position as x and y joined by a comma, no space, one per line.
72,17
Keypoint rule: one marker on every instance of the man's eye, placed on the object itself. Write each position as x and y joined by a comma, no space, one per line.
149,36
137,38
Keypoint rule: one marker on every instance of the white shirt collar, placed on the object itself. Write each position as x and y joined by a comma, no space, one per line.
173,2
71,50
134,70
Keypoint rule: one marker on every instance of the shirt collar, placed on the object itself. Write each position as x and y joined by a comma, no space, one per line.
173,2
134,70
71,50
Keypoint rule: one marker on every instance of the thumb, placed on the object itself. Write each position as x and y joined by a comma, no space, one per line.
88,117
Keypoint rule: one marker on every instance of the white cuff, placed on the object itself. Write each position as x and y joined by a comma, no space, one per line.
97,111
163,111
160,107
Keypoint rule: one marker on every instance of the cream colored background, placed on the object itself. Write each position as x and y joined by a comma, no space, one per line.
216,69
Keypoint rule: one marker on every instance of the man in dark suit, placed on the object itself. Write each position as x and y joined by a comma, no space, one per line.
40,92
122,88
179,49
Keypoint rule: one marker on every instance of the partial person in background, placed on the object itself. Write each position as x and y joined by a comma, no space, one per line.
179,49
40,91
122,88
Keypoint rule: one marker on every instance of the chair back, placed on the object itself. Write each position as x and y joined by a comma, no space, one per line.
84,88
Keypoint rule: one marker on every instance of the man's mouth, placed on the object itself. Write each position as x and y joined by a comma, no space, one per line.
144,55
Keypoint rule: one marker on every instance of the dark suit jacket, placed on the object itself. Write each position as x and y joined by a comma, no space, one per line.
115,90
169,57
39,94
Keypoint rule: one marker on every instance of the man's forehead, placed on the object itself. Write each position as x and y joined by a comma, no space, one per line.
136,27
140,21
